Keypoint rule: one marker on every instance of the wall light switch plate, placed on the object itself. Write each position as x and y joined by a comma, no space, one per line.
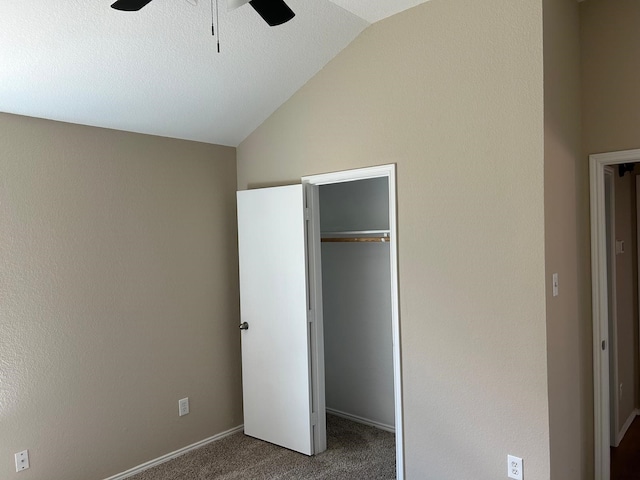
22,460
183,406
514,467
555,284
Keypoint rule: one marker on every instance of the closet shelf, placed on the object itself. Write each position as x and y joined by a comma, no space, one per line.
370,236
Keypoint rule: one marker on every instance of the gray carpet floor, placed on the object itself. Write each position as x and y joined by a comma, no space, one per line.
354,452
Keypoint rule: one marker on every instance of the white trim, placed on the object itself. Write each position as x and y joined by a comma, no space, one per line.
627,424
597,163
638,257
351,175
388,171
175,454
316,330
362,420
614,393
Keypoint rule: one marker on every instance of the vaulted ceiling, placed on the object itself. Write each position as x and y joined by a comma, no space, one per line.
157,71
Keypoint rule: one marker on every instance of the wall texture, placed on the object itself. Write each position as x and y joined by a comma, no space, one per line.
610,75
118,286
451,91
566,196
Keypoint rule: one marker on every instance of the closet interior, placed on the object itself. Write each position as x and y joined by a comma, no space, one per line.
356,301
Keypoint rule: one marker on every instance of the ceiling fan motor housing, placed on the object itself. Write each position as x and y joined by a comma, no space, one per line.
274,12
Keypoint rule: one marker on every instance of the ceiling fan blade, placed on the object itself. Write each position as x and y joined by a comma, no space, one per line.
129,5
274,12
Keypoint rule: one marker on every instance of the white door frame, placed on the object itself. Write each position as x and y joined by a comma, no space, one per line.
638,257
601,429
388,171
614,397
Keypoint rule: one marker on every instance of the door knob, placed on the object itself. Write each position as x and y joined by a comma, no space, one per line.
244,326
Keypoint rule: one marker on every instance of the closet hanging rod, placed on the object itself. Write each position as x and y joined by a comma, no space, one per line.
384,239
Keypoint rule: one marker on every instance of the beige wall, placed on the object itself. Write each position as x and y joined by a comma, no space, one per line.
118,287
566,249
626,295
610,75
451,91
610,46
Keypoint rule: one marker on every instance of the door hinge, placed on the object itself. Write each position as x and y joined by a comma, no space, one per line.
310,316
314,418
307,213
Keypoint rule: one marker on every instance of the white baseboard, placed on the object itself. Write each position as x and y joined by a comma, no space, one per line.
357,419
627,424
172,455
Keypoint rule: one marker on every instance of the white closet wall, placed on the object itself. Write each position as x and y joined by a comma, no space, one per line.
356,285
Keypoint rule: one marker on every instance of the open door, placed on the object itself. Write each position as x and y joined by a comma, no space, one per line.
274,305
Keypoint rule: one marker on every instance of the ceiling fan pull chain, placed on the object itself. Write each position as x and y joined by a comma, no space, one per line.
218,25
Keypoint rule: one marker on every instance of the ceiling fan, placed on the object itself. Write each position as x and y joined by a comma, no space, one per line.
274,12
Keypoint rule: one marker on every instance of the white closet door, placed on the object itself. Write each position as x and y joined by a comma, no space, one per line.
273,301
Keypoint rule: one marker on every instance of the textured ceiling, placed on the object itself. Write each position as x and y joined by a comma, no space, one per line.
157,71
374,10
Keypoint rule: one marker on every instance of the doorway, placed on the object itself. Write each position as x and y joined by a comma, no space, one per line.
353,229
606,247
280,243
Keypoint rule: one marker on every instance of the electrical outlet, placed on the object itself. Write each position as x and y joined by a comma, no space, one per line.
514,467
22,460
183,406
